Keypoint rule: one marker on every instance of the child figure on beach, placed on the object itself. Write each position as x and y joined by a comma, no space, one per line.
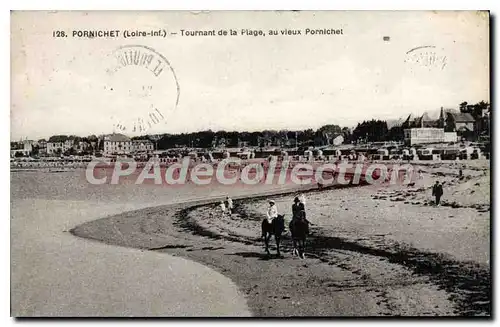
229,205
222,208
272,211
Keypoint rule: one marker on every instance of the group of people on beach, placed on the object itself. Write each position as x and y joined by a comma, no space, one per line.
227,206
298,210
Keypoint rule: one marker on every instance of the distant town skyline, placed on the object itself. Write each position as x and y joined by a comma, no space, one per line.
245,83
390,122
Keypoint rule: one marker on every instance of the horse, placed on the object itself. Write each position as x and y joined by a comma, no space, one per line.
276,228
299,228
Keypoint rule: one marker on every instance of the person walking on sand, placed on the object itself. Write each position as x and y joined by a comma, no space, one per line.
420,174
229,203
222,208
437,192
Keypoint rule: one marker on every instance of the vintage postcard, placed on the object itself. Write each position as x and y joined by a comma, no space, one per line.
250,164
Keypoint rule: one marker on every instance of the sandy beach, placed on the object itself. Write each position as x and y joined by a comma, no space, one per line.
54,274
383,250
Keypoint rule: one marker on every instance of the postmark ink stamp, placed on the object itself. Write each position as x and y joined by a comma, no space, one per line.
429,57
143,87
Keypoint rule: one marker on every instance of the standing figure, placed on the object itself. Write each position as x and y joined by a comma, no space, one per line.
229,204
222,208
437,192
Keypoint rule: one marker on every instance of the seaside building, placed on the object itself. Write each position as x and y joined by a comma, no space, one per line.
59,147
42,147
426,135
117,144
461,123
449,127
121,144
142,146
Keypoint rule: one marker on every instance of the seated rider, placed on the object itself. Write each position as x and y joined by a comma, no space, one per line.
272,211
299,210
297,206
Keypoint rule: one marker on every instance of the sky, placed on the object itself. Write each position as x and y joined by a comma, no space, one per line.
62,85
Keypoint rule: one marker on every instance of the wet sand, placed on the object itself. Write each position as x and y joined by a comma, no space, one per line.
54,274
373,250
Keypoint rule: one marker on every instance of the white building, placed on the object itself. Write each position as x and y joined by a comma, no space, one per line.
427,135
54,147
117,144
42,146
122,144
142,146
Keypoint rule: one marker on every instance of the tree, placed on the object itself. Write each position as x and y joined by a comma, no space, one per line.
463,106
371,131
476,110
396,133
58,138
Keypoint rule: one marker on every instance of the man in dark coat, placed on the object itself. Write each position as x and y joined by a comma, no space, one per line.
437,192
299,211
297,206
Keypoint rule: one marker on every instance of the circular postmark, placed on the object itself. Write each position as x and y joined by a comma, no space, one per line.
427,57
142,89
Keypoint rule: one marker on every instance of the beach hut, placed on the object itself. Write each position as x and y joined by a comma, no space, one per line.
244,155
338,154
395,153
477,153
450,154
308,154
382,154
360,157
426,154
470,152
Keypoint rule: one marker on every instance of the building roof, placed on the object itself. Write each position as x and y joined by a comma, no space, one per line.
464,129
421,121
394,122
462,117
115,137
142,141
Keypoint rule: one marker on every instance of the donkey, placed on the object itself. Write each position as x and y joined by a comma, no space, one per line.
276,228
